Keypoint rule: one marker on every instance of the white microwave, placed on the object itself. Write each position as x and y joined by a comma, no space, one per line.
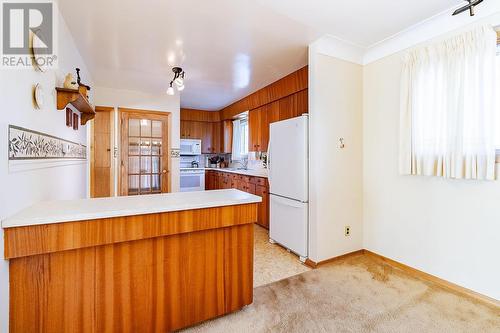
190,147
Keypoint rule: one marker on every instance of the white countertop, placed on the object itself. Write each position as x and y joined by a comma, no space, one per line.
89,209
254,173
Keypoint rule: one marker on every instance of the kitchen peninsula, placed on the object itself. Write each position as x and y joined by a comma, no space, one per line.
151,263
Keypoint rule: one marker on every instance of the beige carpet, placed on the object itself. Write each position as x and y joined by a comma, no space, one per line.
359,294
272,262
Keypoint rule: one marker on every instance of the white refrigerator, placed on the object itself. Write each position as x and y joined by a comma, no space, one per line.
288,164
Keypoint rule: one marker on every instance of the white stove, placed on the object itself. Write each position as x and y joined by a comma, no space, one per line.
192,177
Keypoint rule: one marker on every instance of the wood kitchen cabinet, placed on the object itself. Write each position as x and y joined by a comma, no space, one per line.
258,129
254,129
263,210
208,132
260,118
215,180
227,137
191,129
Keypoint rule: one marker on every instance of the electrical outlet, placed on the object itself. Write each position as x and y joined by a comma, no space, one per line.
347,231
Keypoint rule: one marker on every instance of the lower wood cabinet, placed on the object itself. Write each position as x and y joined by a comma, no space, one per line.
215,180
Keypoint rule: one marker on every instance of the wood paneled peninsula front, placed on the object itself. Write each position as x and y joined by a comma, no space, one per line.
152,263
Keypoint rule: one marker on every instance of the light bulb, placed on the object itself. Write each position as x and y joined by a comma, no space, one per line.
181,88
170,91
179,81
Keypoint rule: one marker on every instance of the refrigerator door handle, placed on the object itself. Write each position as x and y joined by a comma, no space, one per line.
269,161
288,202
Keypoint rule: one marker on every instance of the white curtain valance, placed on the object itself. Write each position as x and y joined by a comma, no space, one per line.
448,108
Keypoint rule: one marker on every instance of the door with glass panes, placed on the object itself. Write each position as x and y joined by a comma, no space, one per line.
145,152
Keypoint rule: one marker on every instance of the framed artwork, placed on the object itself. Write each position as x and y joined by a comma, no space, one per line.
69,117
75,121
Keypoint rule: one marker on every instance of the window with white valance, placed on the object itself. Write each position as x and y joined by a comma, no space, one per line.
449,109
240,139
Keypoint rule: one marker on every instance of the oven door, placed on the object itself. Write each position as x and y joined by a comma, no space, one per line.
192,181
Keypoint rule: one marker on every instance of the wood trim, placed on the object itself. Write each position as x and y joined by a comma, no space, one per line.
92,151
455,288
314,265
139,111
49,238
288,85
165,116
104,108
200,115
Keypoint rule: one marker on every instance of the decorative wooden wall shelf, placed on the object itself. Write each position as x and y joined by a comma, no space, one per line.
78,99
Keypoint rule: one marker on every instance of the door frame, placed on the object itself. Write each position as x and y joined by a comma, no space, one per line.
157,115
110,110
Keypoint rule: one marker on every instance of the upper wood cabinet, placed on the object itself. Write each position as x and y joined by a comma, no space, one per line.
216,144
191,129
208,132
254,129
227,136
260,118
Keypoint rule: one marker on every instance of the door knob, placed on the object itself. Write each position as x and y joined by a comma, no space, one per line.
164,171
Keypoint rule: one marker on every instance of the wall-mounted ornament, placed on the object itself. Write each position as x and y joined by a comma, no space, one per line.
69,117
38,96
75,121
175,153
70,82
26,144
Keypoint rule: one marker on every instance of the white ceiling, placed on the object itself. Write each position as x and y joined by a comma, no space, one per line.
228,48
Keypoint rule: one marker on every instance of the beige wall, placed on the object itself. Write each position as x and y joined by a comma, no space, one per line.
335,111
139,100
448,228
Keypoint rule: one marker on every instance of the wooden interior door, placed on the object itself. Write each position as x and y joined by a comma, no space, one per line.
145,152
101,160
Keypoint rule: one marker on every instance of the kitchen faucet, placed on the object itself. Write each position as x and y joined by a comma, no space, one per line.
244,164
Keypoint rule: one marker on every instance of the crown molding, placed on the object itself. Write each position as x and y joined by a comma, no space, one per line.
487,13
438,25
338,48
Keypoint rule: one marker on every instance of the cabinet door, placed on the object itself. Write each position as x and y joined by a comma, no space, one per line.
254,129
251,188
227,136
207,180
183,130
263,210
264,128
286,107
273,112
190,129
216,137
220,180
302,102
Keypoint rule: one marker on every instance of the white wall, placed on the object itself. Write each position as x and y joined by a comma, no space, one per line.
335,177
139,100
22,189
448,228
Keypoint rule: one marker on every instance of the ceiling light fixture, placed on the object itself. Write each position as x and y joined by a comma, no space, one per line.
470,7
170,90
178,80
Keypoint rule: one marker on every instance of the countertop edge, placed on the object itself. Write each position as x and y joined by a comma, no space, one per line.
16,223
